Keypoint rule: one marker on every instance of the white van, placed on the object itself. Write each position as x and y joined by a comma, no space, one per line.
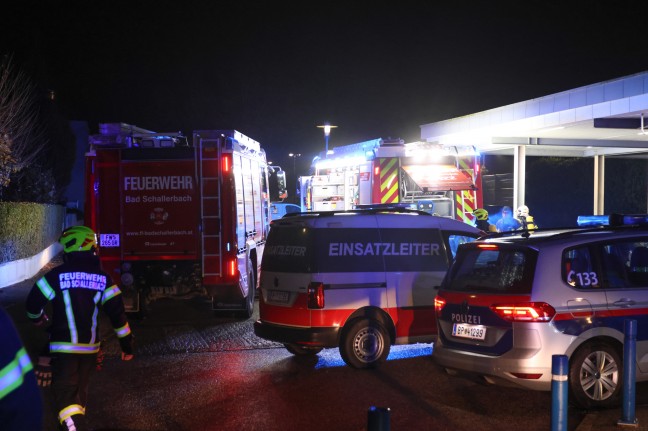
358,280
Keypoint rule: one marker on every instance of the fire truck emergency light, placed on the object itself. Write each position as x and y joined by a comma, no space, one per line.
340,163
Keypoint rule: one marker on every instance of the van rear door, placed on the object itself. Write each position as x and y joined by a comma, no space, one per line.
286,272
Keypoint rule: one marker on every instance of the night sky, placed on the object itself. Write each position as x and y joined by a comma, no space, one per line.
275,70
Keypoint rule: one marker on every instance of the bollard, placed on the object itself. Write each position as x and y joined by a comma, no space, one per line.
629,373
378,419
559,382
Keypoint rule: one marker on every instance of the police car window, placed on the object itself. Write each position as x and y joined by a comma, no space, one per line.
492,270
637,263
578,269
615,261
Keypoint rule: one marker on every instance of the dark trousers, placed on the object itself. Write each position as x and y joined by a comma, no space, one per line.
71,378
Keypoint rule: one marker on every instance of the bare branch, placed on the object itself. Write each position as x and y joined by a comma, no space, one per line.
21,134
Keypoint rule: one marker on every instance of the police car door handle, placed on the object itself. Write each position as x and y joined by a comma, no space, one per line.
624,302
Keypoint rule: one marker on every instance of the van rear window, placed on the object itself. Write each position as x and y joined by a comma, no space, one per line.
492,271
288,249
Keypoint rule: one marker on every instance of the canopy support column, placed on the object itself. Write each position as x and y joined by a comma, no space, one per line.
519,175
599,184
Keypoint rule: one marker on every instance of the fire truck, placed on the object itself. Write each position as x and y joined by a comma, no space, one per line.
445,181
179,218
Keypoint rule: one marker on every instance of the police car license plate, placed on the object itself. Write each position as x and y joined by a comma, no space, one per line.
474,332
278,296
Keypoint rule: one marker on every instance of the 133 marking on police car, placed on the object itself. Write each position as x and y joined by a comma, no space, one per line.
582,278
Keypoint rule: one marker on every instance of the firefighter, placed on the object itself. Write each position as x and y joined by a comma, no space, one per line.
507,222
525,219
77,289
481,217
21,405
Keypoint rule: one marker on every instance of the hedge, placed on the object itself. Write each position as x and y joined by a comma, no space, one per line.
26,228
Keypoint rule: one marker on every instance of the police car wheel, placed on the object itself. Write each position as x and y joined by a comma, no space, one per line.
298,350
365,343
595,376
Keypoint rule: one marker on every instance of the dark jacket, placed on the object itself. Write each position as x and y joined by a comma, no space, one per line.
21,406
78,289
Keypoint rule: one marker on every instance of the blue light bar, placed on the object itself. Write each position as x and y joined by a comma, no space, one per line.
593,220
613,220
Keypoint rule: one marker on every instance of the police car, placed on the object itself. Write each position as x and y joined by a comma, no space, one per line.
511,302
358,280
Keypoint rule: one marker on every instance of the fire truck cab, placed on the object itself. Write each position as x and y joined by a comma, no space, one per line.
179,218
444,181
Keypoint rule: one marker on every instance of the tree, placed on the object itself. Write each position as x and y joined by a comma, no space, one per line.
21,134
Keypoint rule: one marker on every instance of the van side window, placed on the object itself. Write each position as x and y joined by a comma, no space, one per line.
455,240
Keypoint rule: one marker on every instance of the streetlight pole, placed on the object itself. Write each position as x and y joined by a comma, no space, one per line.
294,157
327,131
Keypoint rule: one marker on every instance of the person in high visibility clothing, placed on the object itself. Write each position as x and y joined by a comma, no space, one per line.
526,220
21,405
507,222
481,221
78,289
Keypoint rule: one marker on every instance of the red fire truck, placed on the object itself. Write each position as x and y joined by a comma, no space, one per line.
441,180
179,219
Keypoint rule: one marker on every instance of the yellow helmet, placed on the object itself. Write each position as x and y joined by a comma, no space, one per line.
481,214
78,238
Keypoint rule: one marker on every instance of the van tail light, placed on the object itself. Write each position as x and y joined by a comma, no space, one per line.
525,312
439,303
316,295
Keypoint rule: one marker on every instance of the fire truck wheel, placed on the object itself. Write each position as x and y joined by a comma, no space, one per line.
298,350
595,376
365,343
248,301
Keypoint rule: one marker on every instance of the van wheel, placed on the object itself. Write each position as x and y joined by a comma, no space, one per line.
298,350
365,343
595,376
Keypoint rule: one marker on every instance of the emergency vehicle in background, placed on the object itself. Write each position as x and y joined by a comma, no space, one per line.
179,219
356,280
445,181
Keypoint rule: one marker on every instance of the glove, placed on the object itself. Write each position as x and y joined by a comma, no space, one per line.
43,371
126,345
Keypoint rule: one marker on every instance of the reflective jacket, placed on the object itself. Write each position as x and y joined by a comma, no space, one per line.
78,289
20,400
